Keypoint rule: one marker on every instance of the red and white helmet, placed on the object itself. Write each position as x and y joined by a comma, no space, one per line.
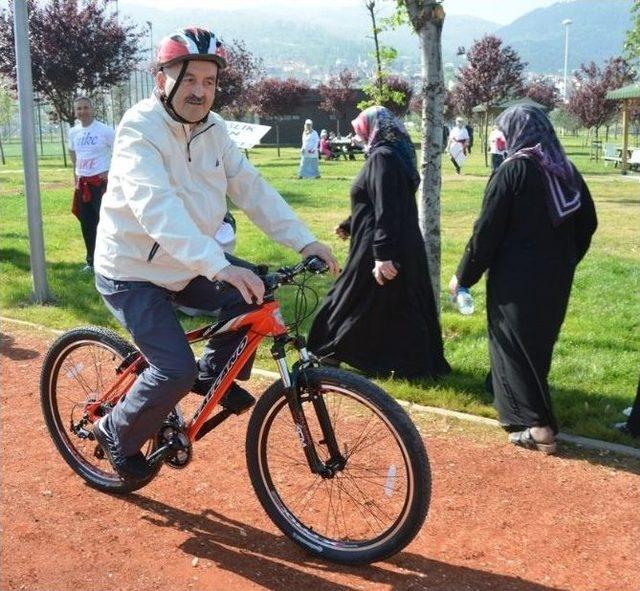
191,43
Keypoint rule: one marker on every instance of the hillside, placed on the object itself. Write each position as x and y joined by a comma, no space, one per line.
596,33
319,40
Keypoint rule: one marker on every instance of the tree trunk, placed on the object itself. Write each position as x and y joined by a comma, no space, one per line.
485,140
427,20
371,7
64,149
2,151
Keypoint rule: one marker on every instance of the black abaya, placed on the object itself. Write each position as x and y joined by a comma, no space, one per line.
389,328
530,271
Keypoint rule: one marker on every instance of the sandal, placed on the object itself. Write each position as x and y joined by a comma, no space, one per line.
526,440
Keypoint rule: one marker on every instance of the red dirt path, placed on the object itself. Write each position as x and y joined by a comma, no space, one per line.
501,518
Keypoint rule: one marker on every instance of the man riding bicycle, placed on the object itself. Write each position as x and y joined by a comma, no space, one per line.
173,165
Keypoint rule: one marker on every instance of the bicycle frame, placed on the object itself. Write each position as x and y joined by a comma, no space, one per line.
265,321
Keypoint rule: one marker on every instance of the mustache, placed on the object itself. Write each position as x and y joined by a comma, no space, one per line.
194,100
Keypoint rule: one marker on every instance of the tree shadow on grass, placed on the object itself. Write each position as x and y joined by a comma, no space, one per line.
632,202
71,288
13,256
300,197
273,562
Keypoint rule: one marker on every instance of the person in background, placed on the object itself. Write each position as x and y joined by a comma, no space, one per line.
380,316
309,152
325,148
534,228
90,144
445,136
632,425
497,147
457,144
469,129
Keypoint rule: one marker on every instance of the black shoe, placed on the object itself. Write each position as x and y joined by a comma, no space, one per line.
202,386
237,400
133,467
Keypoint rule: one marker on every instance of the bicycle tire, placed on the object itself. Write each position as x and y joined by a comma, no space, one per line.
110,350
273,491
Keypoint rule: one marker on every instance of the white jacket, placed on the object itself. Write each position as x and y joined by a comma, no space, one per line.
165,200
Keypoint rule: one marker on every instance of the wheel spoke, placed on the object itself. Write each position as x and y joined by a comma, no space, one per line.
81,372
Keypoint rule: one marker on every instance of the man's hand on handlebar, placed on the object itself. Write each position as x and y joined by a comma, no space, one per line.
245,281
322,251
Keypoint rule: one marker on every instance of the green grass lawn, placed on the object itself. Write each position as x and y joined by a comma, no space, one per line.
597,358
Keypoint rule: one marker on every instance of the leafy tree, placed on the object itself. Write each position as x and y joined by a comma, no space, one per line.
632,42
588,101
276,98
401,92
76,48
541,90
385,89
561,118
492,75
381,53
237,80
7,109
338,94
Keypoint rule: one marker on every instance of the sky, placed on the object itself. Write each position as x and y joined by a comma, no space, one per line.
499,11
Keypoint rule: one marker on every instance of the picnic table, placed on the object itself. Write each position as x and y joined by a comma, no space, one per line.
345,148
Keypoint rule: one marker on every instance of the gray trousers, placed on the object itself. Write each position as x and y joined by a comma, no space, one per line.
147,312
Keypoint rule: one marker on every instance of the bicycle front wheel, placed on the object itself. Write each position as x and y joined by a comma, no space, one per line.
369,509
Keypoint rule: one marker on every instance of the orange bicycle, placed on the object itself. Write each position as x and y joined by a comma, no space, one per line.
335,461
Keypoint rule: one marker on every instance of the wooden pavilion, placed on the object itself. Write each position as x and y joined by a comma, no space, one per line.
630,98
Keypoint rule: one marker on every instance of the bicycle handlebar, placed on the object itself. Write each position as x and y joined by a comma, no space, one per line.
284,275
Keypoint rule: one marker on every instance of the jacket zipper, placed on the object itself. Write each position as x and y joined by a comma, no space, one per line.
153,251
193,138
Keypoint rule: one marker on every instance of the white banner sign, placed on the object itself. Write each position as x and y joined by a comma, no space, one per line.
246,135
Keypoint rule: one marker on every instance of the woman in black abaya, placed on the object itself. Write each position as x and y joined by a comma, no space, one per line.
535,226
380,316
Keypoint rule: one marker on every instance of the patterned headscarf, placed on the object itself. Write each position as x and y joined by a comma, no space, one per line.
376,127
529,134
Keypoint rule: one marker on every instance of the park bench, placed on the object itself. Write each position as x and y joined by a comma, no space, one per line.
611,153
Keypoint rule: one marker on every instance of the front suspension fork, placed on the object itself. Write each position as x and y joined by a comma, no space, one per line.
292,392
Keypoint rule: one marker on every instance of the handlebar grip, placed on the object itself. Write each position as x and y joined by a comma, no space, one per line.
315,264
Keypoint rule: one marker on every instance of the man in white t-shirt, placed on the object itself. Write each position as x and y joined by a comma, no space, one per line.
497,147
457,145
90,145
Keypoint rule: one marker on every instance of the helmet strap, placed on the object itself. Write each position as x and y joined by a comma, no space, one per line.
167,100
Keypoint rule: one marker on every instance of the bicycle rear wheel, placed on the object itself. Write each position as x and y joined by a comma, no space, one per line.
372,507
78,369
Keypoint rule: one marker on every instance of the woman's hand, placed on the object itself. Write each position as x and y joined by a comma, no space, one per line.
384,271
453,286
341,233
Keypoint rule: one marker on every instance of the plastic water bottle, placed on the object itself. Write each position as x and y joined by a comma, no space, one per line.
464,301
